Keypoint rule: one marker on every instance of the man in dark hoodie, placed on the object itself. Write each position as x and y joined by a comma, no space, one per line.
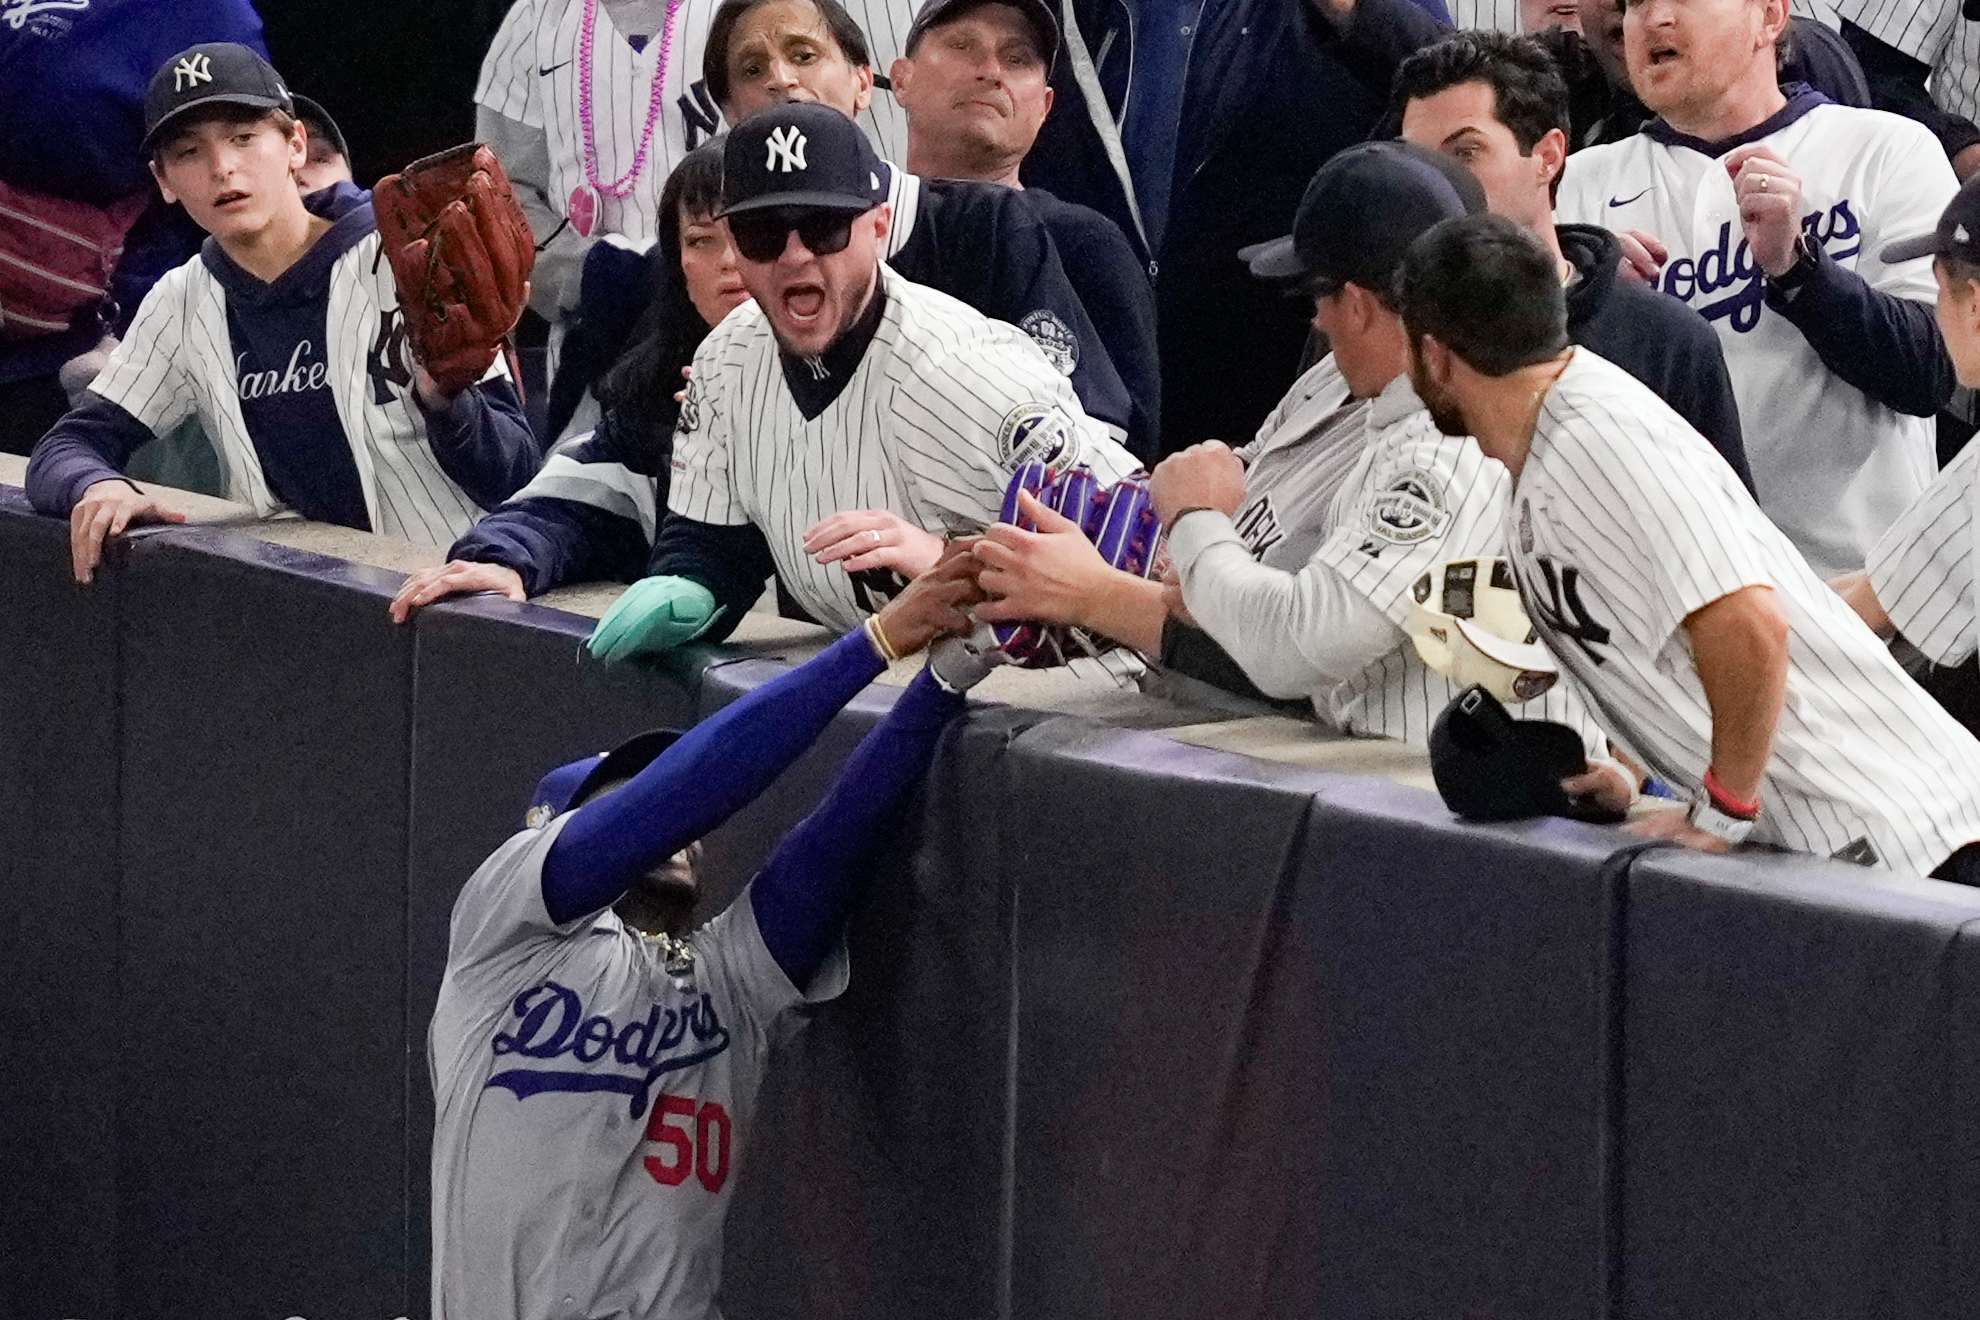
1498,105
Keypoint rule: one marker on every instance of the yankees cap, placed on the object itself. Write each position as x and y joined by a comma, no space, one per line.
1362,211
1489,766
1957,236
211,73
1035,12
570,786
800,154
320,123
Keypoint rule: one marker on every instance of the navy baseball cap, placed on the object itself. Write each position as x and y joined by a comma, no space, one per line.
321,124
211,73
800,154
1362,211
1957,234
1035,12
1490,766
569,786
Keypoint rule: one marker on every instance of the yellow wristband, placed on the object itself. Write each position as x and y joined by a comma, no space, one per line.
879,639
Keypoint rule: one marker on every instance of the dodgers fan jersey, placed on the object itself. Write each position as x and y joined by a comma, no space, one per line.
941,407
1623,523
1924,568
531,75
1834,468
591,1114
1413,498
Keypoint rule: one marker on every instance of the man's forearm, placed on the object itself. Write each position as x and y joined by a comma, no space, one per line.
1131,611
1740,645
1860,594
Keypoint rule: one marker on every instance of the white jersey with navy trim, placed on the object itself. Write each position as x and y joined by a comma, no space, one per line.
1924,568
1412,499
941,409
1937,35
177,361
1623,523
1833,467
531,75
591,1115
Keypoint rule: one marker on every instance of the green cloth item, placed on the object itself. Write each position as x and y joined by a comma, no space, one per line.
655,614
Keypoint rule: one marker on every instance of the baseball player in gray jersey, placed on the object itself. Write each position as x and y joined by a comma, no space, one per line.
595,1057
1920,577
1704,642
1334,629
842,386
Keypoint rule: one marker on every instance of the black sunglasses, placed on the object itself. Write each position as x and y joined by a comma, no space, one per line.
760,235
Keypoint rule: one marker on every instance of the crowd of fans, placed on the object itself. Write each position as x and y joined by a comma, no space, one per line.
1175,209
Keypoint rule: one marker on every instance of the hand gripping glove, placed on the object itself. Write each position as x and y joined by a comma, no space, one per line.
1120,521
655,614
461,254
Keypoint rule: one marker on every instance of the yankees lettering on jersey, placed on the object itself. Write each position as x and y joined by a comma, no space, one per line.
551,1024
1833,466
1622,526
927,419
298,376
533,74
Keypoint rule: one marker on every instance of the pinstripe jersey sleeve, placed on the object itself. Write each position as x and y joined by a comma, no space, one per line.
508,81
146,376
702,486
1923,567
1920,28
965,419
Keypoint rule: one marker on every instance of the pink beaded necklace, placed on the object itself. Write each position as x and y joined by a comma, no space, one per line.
584,198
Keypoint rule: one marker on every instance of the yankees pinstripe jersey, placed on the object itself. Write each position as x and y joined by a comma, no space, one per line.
1622,524
304,387
1934,33
531,75
1924,568
1295,465
930,422
590,1113
1412,499
1490,15
1833,466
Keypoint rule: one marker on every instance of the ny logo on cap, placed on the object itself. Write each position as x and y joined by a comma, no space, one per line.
191,72
1960,235
786,149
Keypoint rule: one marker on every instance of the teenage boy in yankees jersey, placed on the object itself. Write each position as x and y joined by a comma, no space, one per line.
595,1057
283,337
841,386
1702,639
1920,580
1333,631
1769,210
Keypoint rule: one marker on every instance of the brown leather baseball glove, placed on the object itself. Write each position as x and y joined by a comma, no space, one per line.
461,253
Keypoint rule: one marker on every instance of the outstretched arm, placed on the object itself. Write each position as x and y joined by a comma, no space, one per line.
719,766
805,891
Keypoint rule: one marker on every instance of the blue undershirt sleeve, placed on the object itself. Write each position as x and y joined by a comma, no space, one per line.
714,770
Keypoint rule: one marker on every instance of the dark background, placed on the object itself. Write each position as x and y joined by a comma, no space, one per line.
397,77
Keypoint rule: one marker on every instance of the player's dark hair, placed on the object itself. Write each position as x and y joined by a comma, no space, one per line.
845,30
1488,291
1959,270
1529,93
283,121
639,389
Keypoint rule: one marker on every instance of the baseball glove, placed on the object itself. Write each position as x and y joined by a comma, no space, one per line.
461,254
1120,521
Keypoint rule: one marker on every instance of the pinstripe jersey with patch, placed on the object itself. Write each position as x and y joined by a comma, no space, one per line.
938,412
530,75
1622,524
178,361
1416,498
1924,568
1934,33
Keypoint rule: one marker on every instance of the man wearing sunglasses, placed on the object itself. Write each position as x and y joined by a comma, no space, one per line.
842,386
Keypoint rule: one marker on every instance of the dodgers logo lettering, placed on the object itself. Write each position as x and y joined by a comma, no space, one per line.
1726,266
551,1024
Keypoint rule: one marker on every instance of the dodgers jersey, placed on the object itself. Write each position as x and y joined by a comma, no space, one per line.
1834,468
1622,524
1924,568
942,406
1933,32
1412,499
530,75
589,1114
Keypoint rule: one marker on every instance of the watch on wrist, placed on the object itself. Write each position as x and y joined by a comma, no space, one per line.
1708,818
1796,275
